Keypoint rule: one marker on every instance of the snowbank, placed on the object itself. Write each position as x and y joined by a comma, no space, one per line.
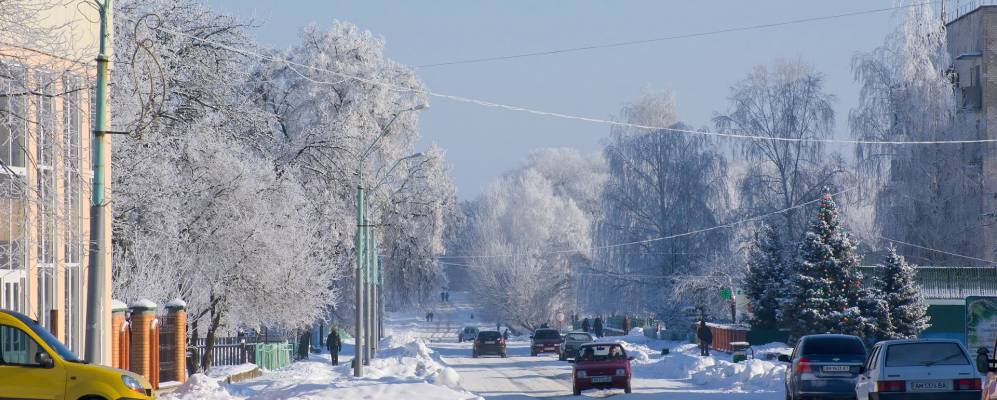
638,331
715,372
199,387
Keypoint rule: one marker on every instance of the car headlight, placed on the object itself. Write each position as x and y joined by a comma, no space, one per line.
132,383
580,374
621,372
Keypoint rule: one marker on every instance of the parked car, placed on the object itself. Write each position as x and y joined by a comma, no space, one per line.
545,340
824,366
572,341
937,369
488,343
467,334
35,365
600,365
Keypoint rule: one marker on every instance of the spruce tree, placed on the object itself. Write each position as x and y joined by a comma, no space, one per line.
908,313
764,281
825,284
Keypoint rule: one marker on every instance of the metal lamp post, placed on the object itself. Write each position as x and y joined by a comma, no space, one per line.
362,253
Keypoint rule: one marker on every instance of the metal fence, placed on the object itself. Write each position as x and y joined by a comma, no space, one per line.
268,352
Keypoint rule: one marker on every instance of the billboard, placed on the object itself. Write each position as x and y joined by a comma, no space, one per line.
981,322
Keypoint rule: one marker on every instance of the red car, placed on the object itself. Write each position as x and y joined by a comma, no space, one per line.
545,340
600,366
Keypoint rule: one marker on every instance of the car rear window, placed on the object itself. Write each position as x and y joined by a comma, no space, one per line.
927,354
488,335
579,336
832,346
470,330
546,334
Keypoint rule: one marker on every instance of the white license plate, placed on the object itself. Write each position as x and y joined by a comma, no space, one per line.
835,369
602,379
548,348
489,342
930,386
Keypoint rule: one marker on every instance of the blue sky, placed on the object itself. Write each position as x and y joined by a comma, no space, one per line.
481,143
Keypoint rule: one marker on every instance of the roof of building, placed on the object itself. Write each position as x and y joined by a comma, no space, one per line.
950,283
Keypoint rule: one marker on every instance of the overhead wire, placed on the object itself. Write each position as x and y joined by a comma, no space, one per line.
671,37
515,108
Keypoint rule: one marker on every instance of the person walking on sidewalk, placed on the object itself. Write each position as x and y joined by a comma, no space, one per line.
597,327
334,344
705,339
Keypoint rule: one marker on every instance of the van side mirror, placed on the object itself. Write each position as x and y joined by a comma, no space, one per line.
43,359
985,364
784,358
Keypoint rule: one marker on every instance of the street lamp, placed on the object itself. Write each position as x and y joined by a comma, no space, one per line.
362,252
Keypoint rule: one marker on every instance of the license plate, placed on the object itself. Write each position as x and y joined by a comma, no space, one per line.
489,342
835,369
602,379
930,386
549,348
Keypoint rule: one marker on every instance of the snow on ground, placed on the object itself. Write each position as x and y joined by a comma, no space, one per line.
422,360
405,369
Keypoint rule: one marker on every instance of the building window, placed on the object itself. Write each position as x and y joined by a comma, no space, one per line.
73,182
13,121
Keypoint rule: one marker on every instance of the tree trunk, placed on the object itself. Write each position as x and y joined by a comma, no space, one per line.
209,341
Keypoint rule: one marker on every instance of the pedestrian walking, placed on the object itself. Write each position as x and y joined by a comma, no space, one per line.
705,339
586,325
498,327
303,343
597,327
443,297
505,335
334,344
626,325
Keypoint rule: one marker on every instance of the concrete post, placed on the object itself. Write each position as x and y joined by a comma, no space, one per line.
143,314
176,319
119,335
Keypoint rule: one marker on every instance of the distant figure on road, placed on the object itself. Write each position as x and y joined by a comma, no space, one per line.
626,325
505,335
334,344
443,297
446,296
705,339
472,315
498,327
597,327
586,325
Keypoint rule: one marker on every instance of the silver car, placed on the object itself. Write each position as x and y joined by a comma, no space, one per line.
468,334
935,369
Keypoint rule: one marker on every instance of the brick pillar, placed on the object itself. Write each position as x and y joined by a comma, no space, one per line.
176,319
119,332
143,314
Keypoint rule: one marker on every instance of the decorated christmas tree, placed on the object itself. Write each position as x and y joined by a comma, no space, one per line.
825,293
908,313
764,282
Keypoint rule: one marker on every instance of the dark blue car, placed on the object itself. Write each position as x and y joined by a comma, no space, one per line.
824,367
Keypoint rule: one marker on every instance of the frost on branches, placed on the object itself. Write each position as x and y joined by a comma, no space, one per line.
907,311
825,286
764,281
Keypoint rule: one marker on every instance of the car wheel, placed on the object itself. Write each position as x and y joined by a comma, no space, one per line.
562,357
576,390
627,388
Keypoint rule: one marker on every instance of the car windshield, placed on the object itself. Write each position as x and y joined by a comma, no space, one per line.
488,335
469,330
602,353
926,354
579,337
547,334
831,346
50,340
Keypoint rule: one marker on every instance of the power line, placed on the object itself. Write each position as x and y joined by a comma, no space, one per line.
667,38
508,107
668,237
990,262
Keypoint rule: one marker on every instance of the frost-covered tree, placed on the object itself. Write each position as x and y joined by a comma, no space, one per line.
898,285
660,183
764,281
527,236
825,283
785,101
922,194
325,123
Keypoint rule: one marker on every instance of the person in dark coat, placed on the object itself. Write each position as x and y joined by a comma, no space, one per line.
334,344
505,335
304,342
597,327
705,339
586,325
626,325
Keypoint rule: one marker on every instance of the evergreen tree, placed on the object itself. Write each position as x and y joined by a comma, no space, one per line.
825,285
906,307
764,281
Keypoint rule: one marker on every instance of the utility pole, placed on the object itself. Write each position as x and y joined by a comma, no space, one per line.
367,295
358,278
96,273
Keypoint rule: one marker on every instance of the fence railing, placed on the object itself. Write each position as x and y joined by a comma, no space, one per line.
272,356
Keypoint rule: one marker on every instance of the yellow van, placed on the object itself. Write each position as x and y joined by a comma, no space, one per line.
35,365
